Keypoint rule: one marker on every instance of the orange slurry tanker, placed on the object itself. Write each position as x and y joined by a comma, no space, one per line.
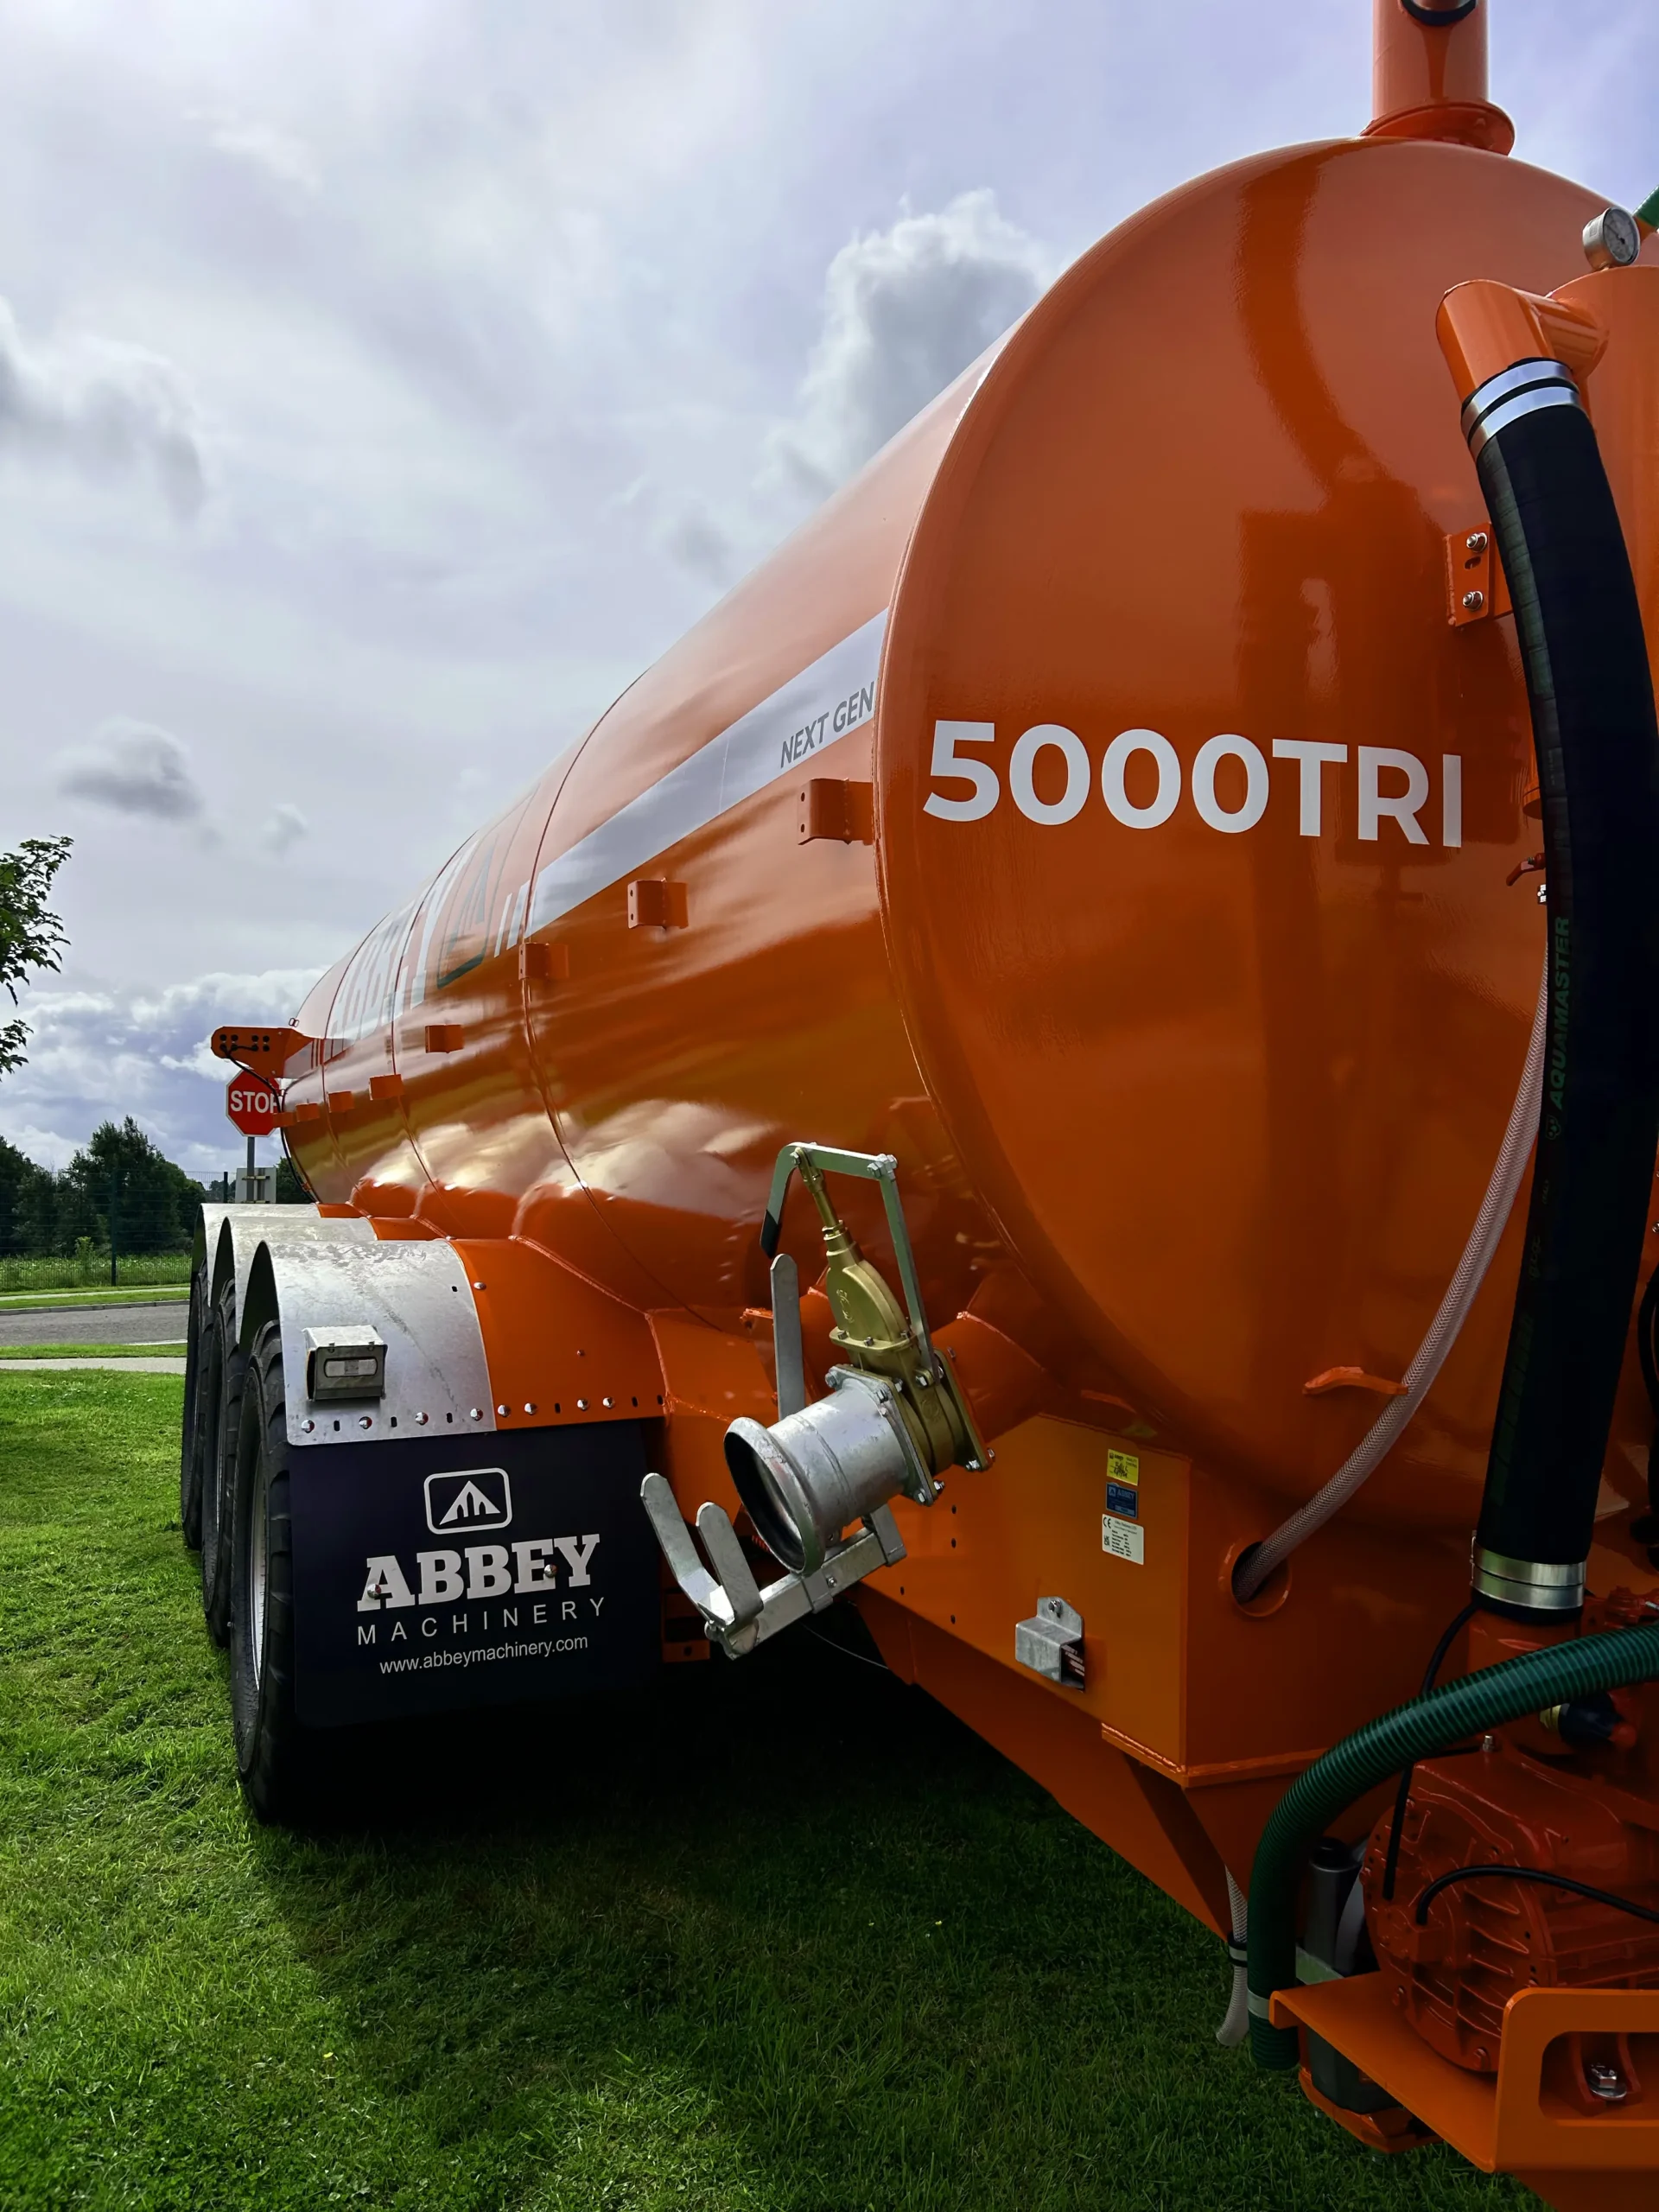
1077,1069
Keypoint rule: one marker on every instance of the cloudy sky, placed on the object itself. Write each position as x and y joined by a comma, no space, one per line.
384,384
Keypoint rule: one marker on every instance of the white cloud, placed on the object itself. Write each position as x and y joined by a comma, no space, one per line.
46,1148
100,1055
696,542
282,827
106,407
279,154
906,310
134,768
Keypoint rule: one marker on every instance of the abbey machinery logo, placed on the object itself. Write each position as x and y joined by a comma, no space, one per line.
475,1498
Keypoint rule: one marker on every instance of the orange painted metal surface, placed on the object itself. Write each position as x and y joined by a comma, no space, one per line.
1525,2117
1093,806
1484,328
1428,80
1221,1077
558,1349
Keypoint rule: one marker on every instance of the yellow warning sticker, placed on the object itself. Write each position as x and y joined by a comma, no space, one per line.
1122,1466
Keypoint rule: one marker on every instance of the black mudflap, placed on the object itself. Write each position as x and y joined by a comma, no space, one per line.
453,1571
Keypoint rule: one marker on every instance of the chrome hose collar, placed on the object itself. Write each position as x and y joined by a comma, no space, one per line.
1517,391
1535,1585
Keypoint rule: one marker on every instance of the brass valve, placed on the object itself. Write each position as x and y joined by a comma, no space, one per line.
873,1333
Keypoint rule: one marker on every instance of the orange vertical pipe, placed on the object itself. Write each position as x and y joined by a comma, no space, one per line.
1428,78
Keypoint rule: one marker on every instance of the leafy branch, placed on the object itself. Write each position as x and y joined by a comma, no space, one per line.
32,938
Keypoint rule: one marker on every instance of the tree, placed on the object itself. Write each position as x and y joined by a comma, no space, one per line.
154,1201
38,1214
291,1188
31,936
28,1204
49,1216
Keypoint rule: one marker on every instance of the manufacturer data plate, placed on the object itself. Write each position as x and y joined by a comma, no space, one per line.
1123,1538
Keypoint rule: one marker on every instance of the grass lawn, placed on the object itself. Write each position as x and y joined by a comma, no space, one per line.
32,1275
779,1938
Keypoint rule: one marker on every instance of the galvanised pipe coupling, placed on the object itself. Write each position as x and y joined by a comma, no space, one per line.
812,1474
894,1418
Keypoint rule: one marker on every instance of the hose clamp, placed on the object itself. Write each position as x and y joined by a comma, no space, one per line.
1260,2007
1534,1586
1520,389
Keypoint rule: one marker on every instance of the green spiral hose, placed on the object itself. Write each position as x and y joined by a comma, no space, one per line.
1382,1747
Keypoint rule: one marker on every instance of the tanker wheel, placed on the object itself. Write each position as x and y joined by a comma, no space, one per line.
272,1751
189,1464
224,1366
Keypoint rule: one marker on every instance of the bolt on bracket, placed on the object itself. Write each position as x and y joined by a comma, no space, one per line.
1475,583
1051,1643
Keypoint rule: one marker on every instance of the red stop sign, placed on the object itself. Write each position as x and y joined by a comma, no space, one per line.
253,1104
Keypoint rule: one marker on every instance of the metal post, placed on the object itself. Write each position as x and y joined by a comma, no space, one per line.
115,1189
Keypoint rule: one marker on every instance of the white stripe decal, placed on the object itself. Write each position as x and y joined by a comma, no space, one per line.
835,695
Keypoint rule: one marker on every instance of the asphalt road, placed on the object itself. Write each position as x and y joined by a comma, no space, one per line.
162,1322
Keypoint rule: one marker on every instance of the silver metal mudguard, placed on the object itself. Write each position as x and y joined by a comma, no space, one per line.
417,1297
232,1236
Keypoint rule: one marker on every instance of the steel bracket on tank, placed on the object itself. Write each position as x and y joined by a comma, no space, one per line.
869,1166
737,1612
816,1160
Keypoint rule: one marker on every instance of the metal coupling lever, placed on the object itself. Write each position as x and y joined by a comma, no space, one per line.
737,1613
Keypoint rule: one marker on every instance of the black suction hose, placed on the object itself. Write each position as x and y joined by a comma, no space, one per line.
1591,693
1645,1527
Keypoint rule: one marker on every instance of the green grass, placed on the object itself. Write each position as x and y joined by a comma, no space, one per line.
74,1274
73,1301
777,1937
94,1352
